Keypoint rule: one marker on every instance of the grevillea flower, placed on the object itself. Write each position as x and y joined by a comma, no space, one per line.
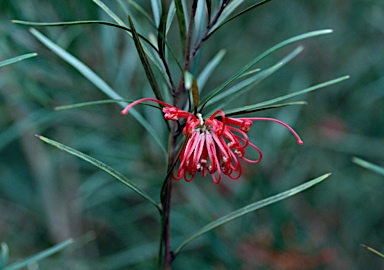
215,144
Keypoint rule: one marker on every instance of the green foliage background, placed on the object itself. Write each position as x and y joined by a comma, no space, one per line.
47,196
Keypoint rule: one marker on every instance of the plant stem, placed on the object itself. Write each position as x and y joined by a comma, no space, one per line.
187,53
166,195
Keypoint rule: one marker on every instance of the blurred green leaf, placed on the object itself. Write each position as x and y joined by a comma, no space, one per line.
170,17
250,208
39,118
96,80
17,59
3,255
182,23
262,56
368,165
38,257
205,74
374,251
200,19
142,11
156,10
209,8
115,174
256,106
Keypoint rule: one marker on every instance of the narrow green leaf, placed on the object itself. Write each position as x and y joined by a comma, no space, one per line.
17,59
156,10
3,255
170,16
251,207
374,251
98,102
96,80
262,56
161,32
368,165
200,19
115,174
222,20
237,90
82,23
267,108
144,61
142,11
120,22
208,69
209,8
279,99
38,257
182,24
90,103
109,12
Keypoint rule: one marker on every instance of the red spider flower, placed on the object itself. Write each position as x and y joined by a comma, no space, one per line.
214,144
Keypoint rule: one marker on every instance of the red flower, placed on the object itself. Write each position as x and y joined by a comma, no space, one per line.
214,144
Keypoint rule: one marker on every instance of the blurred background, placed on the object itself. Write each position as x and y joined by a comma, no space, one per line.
48,196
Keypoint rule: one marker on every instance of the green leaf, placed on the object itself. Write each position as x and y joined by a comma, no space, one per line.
115,174
17,59
374,251
182,23
235,91
170,16
144,61
109,12
96,80
250,208
161,32
142,11
266,108
222,20
120,22
38,257
209,8
90,103
156,10
3,255
200,19
262,56
275,100
98,102
38,118
368,165
52,24
209,68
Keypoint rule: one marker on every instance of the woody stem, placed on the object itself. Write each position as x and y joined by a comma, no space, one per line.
166,202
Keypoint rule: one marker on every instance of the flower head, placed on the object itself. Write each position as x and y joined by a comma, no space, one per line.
213,145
